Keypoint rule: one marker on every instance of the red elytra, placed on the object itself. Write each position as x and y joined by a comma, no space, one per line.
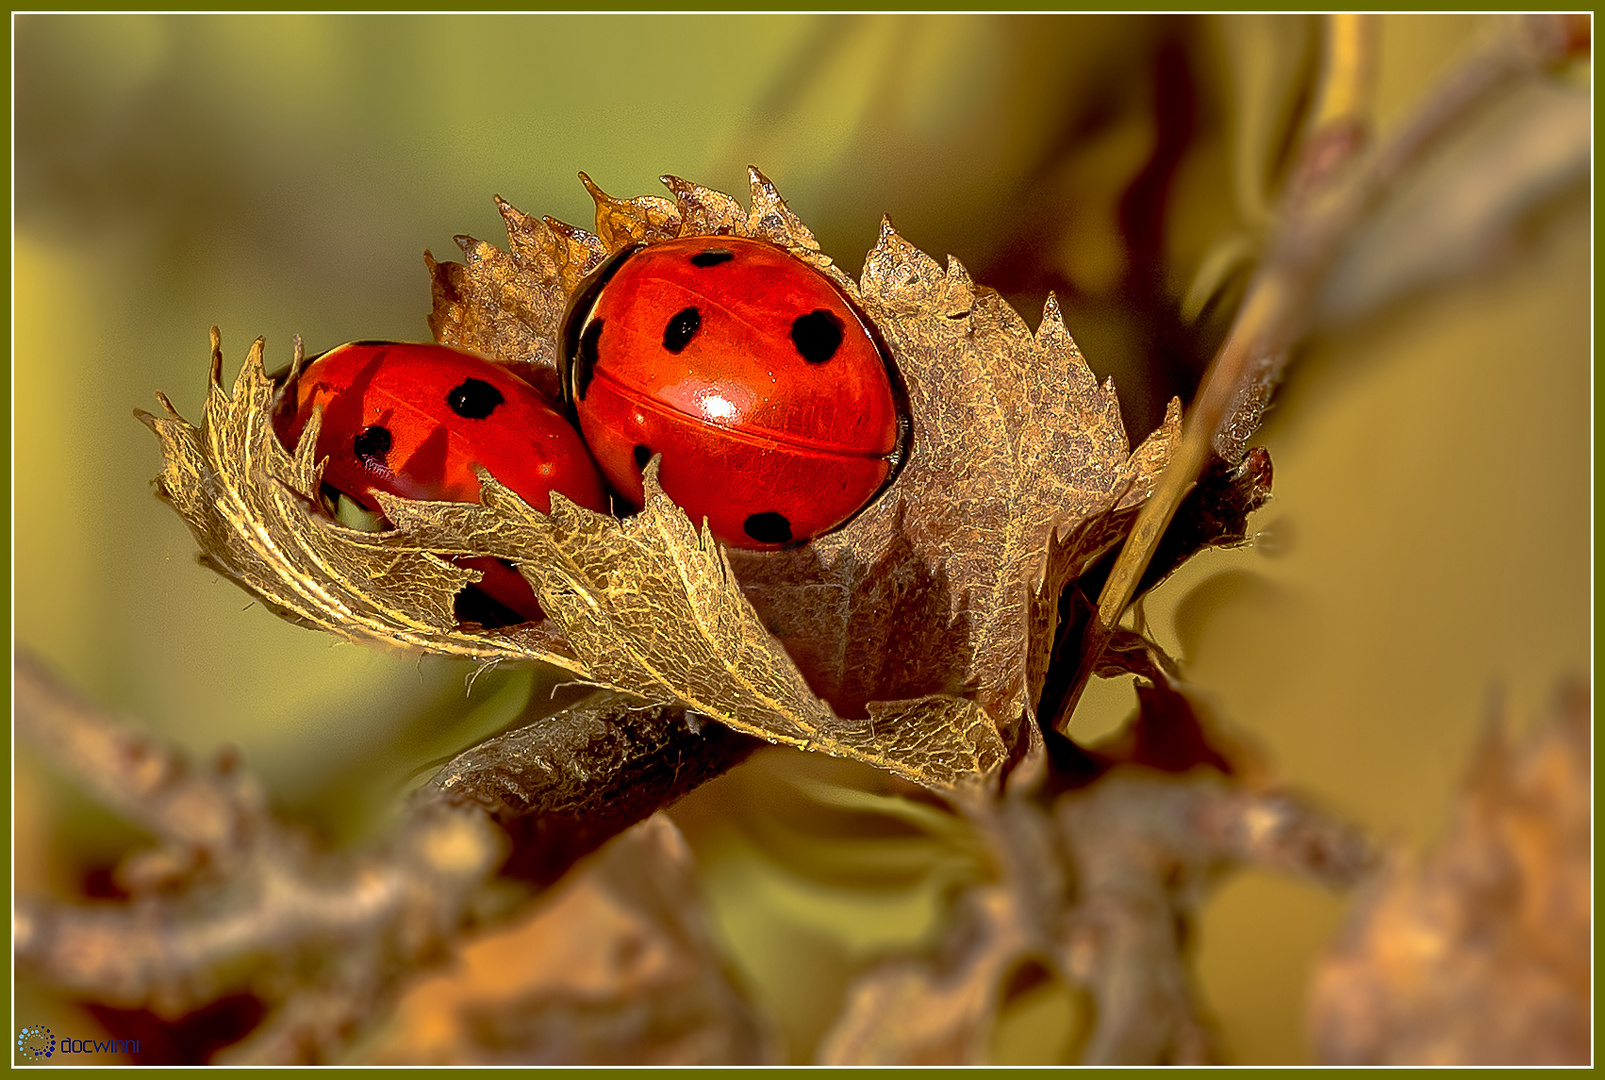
776,408
413,419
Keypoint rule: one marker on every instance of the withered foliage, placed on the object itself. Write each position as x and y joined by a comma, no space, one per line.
1476,952
900,640
933,637
250,504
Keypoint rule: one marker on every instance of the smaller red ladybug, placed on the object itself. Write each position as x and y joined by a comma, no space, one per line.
413,420
775,406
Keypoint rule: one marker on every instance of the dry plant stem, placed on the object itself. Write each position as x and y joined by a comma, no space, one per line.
1348,75
1101,887
238,899
1146,851
146,781
618,760
1324,204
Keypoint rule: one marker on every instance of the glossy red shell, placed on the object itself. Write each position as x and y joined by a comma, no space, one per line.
414,419
775,407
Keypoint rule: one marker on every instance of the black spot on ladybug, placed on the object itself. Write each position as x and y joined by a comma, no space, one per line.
372,442
643,454
817,335
681,329
585,358
768,528
712,257
474,399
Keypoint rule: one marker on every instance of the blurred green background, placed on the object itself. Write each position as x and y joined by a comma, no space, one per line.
277,175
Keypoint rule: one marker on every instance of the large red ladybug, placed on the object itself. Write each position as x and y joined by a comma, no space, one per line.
777,410
414,419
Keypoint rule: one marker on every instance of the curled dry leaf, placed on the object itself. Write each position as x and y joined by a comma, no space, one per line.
655,610
247,501
924,592
900,639
1013,439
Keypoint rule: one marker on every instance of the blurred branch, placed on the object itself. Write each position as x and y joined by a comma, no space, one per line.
1460,210
1329,195
1349,61
1145,849
1099,887
130,771
1098,882
244,900
282,914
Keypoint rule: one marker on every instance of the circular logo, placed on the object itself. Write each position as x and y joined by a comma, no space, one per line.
36,1042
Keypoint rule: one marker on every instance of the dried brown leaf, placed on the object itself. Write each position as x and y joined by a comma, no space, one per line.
509,304
248,503
645,605
1013,437
1477,953
910,624
926,591
653,608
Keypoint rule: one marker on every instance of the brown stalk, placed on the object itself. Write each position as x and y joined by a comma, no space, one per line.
1331,190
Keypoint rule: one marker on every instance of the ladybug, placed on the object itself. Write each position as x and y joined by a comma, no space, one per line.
413,420
774,403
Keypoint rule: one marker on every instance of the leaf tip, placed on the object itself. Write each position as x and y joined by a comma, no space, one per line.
1051,313
559,504
253,359
306,465
167,407
513,219
649,474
